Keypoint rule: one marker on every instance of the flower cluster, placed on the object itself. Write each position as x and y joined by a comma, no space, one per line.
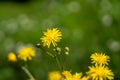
65,75
98,71
25,53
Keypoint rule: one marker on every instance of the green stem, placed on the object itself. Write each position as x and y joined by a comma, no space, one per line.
41,47
28,73
50,54
58,63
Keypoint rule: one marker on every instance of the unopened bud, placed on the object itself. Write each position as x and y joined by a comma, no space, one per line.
67,50
66,53
38,45
58,50
12,57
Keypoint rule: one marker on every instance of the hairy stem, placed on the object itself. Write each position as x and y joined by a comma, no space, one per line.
28,73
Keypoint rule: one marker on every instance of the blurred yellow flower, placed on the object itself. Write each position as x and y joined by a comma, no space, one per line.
77,76
66,75
99,58
100,72
85,78
69,76
51,36
55,75
12,57
26,53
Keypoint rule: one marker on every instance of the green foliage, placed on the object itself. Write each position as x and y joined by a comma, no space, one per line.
87,25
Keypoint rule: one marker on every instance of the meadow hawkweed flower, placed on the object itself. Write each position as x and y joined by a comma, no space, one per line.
55,75
85,78
69,76
99,58
100,72
51,36
26,53
12,57
77,76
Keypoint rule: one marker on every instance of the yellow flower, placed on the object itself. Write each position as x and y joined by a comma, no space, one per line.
77,76
26,53
98,58
100,72
12,57
66,75
85,78
69,76
55,75
51,36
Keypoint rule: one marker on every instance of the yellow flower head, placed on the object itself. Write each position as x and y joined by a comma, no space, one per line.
66,75
26,53
55,75
100,72
69,76
51,36
98,58
12,57
85,78
77,76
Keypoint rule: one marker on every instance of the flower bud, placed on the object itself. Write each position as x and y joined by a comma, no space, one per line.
12,57
67,50
38,45
58,50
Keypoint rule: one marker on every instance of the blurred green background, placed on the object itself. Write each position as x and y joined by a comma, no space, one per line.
88,26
